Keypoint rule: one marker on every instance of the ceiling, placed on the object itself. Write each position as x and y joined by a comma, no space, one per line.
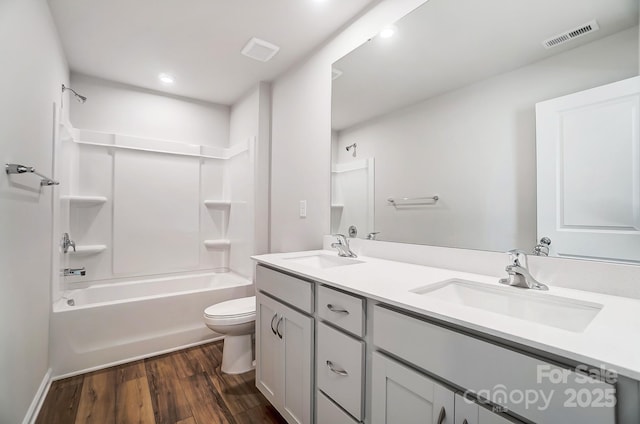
196,41
447,44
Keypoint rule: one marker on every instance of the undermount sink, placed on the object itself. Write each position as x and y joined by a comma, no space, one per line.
541,308
322,261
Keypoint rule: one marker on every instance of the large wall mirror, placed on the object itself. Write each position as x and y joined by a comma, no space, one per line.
436,129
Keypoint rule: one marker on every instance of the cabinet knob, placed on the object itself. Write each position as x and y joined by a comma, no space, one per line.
337,310
465,421
442,415
335,370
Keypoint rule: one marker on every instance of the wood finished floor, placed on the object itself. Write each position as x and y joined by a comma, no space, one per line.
183,387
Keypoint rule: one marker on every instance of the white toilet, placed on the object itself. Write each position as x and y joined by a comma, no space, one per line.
236,320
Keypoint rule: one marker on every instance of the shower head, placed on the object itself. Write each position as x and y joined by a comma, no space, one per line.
79,98
352,146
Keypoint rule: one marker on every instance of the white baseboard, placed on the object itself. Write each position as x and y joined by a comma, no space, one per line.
38,399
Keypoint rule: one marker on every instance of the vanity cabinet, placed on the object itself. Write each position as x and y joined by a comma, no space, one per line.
340,359
330,413
342,310
403,395
505,377
340,368
284,351
328,356
467,412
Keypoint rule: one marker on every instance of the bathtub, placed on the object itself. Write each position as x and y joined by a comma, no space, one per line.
116,322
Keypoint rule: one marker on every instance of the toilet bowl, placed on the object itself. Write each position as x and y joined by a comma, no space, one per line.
235,319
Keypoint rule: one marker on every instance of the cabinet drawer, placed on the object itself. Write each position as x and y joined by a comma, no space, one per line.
330,413
340,368
291,290
491,370
341,309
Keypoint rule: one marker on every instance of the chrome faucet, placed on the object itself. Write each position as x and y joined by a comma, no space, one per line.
66,243
542,248
519,275
343,246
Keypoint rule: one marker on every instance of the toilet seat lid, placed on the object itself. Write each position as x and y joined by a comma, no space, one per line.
244,306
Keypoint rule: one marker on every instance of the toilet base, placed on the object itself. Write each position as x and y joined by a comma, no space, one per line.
237,355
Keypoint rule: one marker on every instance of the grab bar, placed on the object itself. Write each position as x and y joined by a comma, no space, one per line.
14,168
413,200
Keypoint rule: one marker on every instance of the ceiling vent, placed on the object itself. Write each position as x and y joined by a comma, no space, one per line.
566,36
260,50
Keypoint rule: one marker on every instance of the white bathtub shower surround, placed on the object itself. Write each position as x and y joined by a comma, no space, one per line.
116,322
166,203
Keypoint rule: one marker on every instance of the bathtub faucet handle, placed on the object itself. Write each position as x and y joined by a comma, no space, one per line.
66,243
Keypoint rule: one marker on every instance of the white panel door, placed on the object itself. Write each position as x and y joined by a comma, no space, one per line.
402,395
588,164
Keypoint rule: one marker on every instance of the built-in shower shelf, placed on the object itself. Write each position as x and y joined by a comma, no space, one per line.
84,200
88,249
217,203
217,244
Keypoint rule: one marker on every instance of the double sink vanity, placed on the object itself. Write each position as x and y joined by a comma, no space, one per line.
368,340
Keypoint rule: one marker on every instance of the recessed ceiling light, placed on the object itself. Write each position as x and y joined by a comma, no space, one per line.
166,79
388,32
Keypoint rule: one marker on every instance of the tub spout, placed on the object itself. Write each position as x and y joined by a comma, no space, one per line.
69,272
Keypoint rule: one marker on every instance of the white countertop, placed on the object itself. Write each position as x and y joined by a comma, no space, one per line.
611,340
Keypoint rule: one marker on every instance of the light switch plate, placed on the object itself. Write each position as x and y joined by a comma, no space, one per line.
303,209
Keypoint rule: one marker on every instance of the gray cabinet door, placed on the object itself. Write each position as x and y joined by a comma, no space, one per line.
268,349
284,360
297,355
466,411
403,395
469,412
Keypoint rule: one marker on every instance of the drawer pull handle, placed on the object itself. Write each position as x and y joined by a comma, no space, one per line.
337,310
336,371
278,327
273,319
442,415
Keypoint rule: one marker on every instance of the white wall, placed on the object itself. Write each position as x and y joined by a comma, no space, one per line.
248,179
475,148
117,108
301,134
31,75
